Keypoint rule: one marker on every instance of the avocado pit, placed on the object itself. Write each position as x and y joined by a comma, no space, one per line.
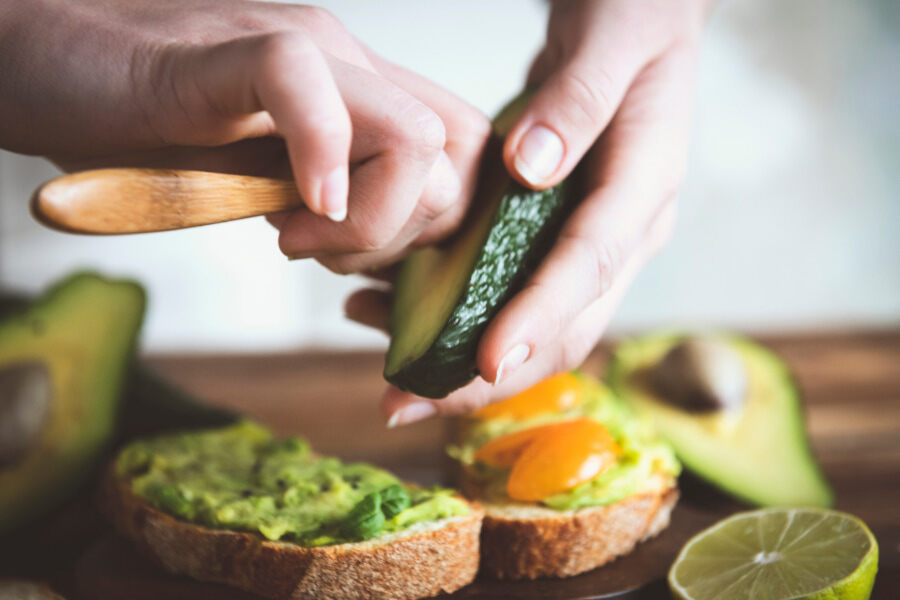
701,375
26,394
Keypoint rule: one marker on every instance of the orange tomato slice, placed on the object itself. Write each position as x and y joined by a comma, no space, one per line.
504,450
560,458
555,393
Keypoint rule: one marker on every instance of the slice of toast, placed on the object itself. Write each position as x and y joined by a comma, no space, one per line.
526,541
423,560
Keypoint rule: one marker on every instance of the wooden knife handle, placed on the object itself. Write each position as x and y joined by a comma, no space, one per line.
109,201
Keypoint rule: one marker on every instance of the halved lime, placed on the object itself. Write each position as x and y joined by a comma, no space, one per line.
778,554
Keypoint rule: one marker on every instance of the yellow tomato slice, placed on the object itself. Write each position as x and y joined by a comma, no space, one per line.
555,393
504,450
560,458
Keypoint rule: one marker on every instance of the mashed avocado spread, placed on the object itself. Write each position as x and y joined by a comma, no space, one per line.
240,478
643,453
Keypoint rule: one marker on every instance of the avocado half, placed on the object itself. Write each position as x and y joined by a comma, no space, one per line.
759,453
445,296
63,360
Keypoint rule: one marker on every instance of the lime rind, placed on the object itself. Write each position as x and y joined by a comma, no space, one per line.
736,572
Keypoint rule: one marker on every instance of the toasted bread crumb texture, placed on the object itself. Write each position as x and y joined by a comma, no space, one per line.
529,541
422,561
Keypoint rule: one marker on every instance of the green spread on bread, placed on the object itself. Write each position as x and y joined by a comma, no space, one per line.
241,478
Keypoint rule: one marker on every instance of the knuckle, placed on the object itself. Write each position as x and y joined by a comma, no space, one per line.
419,129
439,228
337,265
437,201
468,128
374,237
282,51
329,128
318,18
602,259
584,91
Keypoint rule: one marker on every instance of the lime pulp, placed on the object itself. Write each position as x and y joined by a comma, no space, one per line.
778,554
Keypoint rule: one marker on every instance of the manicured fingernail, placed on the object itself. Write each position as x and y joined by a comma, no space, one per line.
417,411
512,361
539,155
333,194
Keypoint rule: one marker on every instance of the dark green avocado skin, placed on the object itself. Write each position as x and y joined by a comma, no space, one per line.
525,225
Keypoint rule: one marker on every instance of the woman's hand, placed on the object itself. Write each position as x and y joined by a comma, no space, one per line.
614,85
382,158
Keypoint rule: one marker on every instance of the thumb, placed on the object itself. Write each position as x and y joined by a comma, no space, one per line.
566,115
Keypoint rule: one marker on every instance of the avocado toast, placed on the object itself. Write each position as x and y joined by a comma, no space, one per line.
569,479
234,505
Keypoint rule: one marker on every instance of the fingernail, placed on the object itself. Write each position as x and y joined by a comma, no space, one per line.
411,413
333,194
539,155
512,361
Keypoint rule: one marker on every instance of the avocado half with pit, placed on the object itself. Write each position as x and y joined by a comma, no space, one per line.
63,360
730,409
445,296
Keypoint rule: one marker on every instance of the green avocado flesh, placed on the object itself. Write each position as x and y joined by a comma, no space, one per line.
80,337
644,459
759,453
240,478
445,296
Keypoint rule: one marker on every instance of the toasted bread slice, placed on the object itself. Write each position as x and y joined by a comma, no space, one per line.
527,540
424,560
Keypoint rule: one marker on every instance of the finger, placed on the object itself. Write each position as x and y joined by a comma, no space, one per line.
543,64
467,128
383,274
638,168
440,196
370,307
285,75
277,220
408,139
573,106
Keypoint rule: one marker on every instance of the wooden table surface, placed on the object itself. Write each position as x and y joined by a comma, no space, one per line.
850,381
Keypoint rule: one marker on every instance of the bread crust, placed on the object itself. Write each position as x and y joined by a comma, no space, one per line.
417,563
530,541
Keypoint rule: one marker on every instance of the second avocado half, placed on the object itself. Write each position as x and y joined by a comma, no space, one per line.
756,449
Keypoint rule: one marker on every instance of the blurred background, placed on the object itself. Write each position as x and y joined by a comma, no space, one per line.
789,217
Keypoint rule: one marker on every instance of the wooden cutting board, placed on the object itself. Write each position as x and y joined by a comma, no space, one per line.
851,384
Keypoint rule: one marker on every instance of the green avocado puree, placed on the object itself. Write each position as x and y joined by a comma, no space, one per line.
240,478
643,453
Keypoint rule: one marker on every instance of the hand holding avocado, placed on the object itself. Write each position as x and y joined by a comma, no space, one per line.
596,75
387,161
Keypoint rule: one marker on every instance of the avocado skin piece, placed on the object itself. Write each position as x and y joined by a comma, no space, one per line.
763,458
523,224
84,331
524,227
